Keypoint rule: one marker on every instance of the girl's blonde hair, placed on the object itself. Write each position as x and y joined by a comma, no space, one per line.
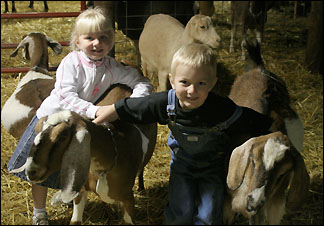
195,55
89,21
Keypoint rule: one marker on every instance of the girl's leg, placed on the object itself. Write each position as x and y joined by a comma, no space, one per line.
39,194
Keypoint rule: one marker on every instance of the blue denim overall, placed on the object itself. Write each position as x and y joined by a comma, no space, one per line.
196,185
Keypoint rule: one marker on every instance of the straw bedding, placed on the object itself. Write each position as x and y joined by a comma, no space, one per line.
283,52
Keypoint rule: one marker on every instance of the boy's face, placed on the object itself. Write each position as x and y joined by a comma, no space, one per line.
95,45
192,85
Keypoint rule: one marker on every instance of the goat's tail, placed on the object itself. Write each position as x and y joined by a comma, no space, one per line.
253,58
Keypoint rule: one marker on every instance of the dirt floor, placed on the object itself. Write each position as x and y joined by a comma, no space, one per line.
283,51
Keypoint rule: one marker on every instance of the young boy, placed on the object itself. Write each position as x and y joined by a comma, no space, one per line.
201,126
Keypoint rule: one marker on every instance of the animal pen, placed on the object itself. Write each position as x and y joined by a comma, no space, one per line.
283,51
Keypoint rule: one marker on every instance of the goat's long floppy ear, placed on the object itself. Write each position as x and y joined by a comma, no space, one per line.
75,165
55,46
24,43
238,164
299,183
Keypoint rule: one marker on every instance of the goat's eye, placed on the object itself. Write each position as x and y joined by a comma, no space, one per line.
202,27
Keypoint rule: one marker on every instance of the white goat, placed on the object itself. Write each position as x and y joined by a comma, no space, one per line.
33,88
260,173
91,157
163,35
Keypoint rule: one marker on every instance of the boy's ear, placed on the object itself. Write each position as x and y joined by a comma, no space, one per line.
171,81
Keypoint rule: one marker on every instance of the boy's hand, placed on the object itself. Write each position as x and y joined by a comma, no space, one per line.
106,113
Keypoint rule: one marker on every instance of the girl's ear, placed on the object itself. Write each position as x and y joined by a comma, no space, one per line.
171,81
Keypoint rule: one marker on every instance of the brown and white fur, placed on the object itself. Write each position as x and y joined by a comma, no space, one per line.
266,174
91,157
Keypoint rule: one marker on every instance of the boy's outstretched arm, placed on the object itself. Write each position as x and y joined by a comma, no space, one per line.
106,113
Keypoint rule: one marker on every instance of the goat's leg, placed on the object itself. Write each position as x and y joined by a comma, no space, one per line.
258,35
45,6
141,181
233,31
6,7
78,207
243,43
13,8
31,4
129,209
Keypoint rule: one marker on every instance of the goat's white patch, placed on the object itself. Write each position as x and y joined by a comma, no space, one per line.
80,134
127,218
23,167
145,142
32,75
56,199
68,194
102,188
295,132
56,118
274,150
257,198
13,111
79,208
37,139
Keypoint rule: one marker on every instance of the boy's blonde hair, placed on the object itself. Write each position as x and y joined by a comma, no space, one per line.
195,55
89,21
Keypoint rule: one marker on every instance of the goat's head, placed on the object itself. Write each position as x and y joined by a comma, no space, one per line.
264,166
35,49
201,29
62,143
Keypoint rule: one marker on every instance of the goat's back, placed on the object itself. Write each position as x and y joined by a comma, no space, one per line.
159,40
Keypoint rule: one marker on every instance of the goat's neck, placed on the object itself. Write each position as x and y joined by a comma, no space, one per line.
186,38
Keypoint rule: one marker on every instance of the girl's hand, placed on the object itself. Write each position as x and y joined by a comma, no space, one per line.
106,113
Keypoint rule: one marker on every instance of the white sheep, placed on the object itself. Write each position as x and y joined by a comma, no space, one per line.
265,174
33,88
163,35
91,158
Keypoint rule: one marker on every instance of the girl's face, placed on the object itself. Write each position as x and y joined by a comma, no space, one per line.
192,85
95,45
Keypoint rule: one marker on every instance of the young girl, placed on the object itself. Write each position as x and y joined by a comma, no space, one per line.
81,78
202,126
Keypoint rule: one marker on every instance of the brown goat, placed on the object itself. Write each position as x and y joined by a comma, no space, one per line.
91,157
248,15
33,88
35,49
264,168
260,173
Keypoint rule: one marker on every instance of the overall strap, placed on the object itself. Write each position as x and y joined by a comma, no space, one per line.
171,105
224,125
